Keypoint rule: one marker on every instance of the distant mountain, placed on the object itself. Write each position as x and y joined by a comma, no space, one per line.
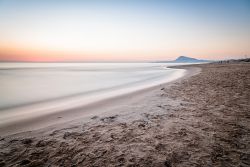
185,59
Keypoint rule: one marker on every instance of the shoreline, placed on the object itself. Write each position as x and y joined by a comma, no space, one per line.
34,122
201,120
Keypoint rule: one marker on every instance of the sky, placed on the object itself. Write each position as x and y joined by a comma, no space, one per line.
123,30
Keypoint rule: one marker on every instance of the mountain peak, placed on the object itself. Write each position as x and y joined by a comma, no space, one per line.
185,59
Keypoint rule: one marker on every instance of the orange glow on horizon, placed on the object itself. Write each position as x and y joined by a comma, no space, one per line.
39,55
36,55
22,54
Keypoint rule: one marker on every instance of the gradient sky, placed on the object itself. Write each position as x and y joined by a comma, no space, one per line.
123,30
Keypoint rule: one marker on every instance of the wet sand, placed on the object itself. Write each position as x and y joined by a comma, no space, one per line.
202,120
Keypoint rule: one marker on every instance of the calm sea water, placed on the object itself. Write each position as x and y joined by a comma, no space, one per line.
61,84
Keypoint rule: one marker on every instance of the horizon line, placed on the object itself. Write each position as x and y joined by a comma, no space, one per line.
153,61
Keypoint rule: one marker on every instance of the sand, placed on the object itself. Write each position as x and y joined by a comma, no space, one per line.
200,120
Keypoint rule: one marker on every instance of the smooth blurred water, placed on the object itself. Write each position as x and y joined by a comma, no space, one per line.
23,84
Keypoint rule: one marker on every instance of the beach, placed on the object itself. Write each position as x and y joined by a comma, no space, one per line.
201,119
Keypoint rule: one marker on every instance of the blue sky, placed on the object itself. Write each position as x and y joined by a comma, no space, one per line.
123,30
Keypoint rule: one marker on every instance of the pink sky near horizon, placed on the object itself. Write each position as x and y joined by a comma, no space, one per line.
36,55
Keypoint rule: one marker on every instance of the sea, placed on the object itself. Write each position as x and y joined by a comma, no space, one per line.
48,87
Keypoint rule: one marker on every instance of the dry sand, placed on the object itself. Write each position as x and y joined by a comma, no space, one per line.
203,120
